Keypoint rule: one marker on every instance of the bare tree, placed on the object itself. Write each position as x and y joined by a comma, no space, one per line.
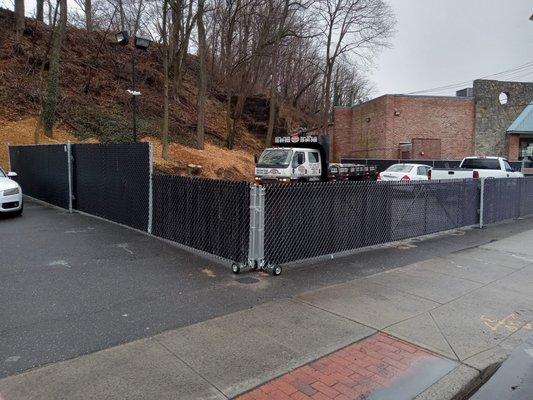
20,21
50,101
184,19
355,27
88,15
349,88
167,50
202,81
39,10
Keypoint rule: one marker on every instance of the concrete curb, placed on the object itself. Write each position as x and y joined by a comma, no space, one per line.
459,384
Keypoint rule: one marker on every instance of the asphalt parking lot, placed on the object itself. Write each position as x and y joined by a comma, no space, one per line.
72,284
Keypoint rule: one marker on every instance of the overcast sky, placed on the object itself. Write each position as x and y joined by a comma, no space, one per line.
442,42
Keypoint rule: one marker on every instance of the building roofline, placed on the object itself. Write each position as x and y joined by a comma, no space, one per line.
461,98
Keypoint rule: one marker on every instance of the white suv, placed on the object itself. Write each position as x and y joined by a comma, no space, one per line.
10,194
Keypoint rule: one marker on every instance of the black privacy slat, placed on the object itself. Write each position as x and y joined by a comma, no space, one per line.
209,215
313,219
42,172
112,181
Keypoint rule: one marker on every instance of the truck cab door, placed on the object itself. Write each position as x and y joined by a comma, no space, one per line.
299,169
314,164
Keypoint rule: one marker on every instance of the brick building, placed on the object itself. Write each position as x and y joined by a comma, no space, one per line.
434,127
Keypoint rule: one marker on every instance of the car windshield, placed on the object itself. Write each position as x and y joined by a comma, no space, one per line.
275,157
399,168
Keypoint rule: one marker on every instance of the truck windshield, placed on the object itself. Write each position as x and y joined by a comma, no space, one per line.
275,157
481,163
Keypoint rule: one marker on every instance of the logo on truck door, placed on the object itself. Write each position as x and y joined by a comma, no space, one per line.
301,169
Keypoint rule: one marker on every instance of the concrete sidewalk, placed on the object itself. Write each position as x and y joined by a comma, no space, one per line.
469,308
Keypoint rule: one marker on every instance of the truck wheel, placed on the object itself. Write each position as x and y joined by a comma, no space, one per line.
276,270
235,268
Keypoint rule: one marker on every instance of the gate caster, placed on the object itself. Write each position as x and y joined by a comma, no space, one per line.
235,268
276,270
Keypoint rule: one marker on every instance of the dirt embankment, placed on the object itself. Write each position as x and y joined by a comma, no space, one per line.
216,162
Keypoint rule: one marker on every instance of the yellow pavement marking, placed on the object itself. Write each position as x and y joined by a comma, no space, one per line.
512,323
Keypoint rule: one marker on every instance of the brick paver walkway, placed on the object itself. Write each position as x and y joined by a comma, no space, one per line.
348,374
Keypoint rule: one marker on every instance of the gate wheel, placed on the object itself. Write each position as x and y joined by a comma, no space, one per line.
236,268
276,270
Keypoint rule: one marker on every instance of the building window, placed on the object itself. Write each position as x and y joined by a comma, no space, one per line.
503,98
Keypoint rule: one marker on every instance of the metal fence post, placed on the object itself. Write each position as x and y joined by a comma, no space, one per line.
150,187
481,201
69,166
260,249
256,247
253,224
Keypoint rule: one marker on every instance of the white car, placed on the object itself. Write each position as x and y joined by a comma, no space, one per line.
405,172
10,194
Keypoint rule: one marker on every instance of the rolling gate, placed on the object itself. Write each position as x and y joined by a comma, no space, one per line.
257,226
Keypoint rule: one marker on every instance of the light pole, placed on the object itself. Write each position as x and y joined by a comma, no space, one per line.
142,44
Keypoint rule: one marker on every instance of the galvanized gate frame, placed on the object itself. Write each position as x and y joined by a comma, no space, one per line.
256,243
256,246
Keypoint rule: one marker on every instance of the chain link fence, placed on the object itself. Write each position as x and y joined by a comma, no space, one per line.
112,181
313,219
258,226
208,215
43,172
507,198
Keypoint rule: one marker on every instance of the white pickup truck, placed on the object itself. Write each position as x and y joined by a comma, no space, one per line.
477,167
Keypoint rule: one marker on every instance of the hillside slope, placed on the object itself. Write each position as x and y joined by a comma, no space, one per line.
95,73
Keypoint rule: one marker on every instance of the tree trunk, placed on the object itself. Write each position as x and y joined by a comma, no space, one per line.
122,15
327,100
228,113
50,101
50,12
273,98
327,103
202,84
164,133
19,18
88,15
39,8
237,114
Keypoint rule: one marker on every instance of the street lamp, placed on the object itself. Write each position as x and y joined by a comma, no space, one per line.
140,43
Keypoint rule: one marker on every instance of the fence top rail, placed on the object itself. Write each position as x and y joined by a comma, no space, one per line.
37,144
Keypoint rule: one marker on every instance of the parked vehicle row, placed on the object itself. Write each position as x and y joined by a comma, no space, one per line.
10,194
304,159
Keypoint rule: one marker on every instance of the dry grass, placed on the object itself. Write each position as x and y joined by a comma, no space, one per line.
22,132
216,162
